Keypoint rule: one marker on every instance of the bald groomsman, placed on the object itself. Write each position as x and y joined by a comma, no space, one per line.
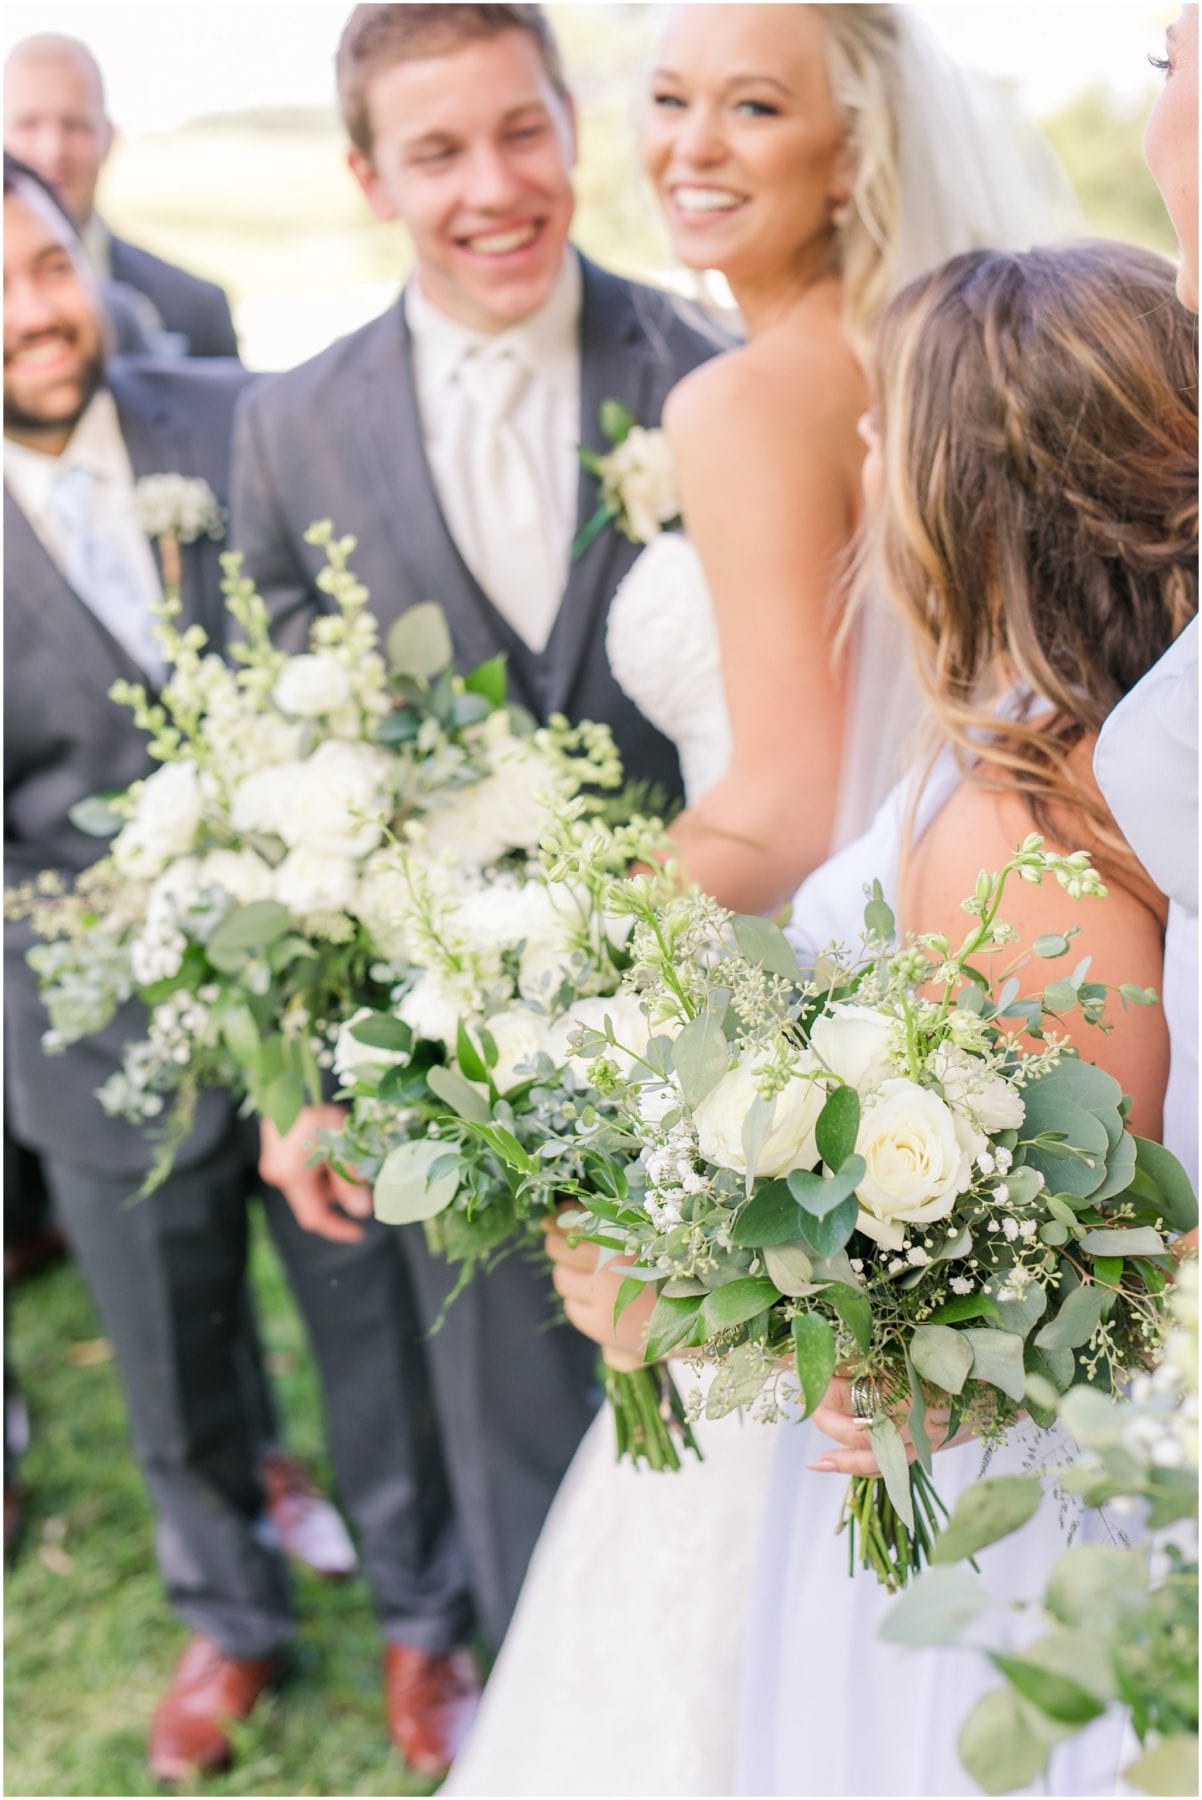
55,121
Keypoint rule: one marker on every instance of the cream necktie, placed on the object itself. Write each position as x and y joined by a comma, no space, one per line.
513,562
102,573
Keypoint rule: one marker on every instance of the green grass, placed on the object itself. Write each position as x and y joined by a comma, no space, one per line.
89,1641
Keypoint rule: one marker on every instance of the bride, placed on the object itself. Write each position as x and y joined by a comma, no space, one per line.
819,156
1032,474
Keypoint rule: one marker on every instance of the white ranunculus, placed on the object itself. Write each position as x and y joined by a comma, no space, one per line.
241,874
350,1055
164,826
640,475
505,810
629,1022
309,686
854,1042
311,880
519,1034
970,1087
338,801
430,1010
263,800
914,1161
790,1143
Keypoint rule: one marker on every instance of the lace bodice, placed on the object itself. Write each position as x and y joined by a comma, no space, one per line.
662,643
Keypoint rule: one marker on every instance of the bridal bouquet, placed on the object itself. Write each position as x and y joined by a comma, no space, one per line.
1120,1620
861,1167
463,1082
249,898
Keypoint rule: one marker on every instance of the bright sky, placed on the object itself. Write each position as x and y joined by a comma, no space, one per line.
167,61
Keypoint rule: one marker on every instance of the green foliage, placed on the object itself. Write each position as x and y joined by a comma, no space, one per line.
1099,139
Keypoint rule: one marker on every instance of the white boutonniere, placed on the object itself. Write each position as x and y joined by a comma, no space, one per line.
174,510
638,481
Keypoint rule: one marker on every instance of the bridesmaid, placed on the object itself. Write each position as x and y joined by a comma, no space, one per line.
1032,478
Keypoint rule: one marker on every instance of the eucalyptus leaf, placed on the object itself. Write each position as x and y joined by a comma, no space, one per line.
762,942
1136,1240
941,1356
95,816
1003,1743
449,1086
965,1306
916,1418
837,1129
988,1510
790,1268
1076,1321
1062,1674
671,1323
890,1453
828,1236
282,1100
246,930
404,1192
771,1216
700,1057
1091,1417
489,680
1093,1586
737,1301
815,1355
997,1357
1179,1205
938,1608
818,1195
1120,1170
381,1031
420,644
855,1310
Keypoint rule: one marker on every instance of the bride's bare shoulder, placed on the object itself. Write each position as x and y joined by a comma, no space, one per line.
779,382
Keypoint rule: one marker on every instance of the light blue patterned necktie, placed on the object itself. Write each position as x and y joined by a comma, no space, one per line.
100,571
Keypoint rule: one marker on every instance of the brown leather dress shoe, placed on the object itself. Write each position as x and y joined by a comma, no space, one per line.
208,1690
431,1701
309,1526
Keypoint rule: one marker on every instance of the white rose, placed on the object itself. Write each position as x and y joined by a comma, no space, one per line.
381,902
854,1043
431,1011
970,1087
309,686
500,916
519,1035
915,1164
338,797
310,880
263,800
505,810
790,1143
241,874
629,1022
641,476
165,823
350,1055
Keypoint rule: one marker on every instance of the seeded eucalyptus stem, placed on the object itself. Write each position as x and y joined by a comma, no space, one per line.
649,1416
886,1544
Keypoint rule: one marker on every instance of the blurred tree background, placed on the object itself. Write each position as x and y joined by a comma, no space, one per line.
263,201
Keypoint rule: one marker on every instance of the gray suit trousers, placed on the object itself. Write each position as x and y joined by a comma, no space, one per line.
168,1277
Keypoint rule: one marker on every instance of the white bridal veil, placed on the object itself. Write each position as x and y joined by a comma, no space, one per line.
974,173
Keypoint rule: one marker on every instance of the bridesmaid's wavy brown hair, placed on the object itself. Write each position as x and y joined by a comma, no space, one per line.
1039,515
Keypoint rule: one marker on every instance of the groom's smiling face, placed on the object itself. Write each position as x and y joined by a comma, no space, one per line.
473,150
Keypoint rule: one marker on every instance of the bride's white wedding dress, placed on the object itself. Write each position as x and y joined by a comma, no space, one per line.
621,1670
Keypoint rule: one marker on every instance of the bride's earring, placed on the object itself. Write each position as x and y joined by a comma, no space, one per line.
841,214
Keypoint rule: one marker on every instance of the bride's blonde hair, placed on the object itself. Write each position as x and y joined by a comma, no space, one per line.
1038,519
863,64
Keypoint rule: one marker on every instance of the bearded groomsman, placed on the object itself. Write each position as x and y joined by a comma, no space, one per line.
168,1275
55,121
444,435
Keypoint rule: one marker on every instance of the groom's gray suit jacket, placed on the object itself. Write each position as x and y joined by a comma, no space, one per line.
64,740
341,438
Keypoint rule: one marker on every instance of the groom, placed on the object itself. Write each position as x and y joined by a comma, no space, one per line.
444,436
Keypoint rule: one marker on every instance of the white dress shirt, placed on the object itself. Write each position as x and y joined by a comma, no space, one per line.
97,445
545,419
1146,763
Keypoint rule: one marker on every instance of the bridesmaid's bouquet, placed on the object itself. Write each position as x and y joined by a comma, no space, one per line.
1120,1619
250,898
891,1165
469,1083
